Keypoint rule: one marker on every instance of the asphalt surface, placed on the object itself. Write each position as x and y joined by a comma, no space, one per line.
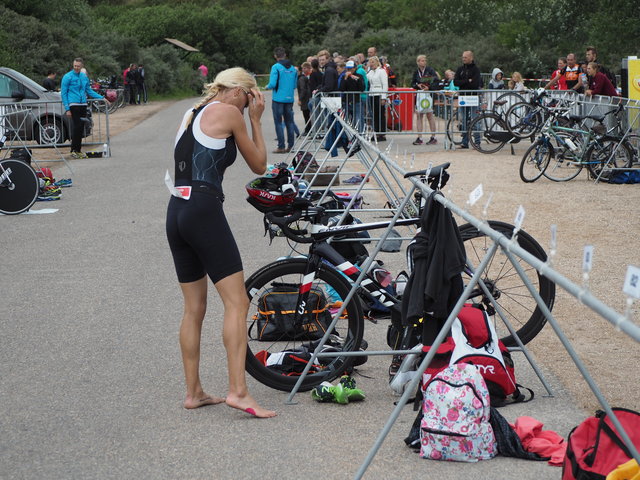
91,382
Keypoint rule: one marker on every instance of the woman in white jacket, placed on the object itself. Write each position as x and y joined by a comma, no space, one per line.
378,82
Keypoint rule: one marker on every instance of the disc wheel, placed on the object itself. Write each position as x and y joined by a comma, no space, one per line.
19,186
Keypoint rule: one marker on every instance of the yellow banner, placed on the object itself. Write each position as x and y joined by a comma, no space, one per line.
634,90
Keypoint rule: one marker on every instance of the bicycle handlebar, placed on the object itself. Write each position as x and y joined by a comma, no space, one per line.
283,219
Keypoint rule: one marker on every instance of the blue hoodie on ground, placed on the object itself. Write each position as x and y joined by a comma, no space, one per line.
283,81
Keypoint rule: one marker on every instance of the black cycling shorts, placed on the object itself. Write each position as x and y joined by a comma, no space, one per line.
200,239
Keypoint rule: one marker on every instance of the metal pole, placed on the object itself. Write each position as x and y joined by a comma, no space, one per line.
413,384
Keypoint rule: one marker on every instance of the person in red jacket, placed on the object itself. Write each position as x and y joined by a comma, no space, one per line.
599,83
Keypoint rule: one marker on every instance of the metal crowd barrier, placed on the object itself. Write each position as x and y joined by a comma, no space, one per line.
406,111
44,125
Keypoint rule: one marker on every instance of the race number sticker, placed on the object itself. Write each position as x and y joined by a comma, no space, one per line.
632,282
519,218
475,195
180,192
587,258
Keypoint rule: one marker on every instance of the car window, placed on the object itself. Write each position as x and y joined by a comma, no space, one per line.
5,86
9,85
29,94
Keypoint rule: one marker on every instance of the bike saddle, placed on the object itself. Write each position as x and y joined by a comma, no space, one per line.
437,177
434,173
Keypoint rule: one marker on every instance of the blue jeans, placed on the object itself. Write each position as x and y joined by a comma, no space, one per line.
467,114
358,115
283,112
335,132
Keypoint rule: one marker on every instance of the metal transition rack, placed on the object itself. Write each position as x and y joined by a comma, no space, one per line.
377,163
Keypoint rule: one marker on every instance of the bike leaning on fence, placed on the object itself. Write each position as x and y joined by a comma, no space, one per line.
19,185
324,271
561,152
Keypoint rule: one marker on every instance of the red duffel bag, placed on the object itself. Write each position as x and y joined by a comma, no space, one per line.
595,448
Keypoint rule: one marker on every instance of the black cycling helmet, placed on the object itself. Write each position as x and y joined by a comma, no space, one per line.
274,190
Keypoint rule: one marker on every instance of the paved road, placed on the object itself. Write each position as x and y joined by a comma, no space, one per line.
91,380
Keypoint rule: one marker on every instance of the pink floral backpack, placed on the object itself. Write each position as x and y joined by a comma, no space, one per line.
455,423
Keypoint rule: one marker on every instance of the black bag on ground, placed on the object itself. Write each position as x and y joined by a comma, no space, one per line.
22,154
326,176
276,314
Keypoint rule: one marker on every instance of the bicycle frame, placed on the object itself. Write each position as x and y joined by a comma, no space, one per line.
321,251
588,138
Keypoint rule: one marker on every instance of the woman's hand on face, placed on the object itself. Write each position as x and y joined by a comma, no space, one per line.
256,104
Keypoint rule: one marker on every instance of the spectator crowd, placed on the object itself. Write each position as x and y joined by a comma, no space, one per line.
329,73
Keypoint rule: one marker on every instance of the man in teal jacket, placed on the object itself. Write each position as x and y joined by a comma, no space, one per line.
359,107
283,81
75,88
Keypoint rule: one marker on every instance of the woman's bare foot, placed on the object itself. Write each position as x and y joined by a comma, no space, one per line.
201,401
249,405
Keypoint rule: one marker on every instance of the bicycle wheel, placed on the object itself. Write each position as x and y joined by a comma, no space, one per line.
633,141
607,154
506,286
19,186
535,161
348,330
454,128
488,133
564,165
523,120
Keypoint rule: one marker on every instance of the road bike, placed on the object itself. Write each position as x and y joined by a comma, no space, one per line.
324,269
526,119
560,152
490,132
19,185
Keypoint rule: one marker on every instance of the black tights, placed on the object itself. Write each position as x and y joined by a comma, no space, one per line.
78,118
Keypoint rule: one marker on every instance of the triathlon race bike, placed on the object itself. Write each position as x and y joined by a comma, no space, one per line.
323,269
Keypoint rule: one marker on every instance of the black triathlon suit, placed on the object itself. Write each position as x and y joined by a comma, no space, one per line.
199,236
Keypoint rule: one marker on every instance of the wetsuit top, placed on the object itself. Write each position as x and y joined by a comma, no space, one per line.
200,160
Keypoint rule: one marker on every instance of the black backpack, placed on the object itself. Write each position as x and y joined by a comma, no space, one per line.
22,154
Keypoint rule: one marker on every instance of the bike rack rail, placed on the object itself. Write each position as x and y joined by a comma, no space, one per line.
366,160
513,252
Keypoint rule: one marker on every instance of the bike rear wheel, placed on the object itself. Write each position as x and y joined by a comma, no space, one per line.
488,133
19,186
348,330
506,286
608,154
535,161
523,120
564,165
454,128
